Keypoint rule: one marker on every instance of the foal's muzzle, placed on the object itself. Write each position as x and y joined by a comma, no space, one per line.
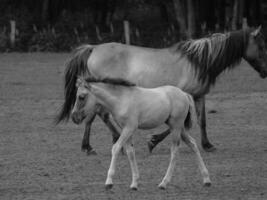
77,118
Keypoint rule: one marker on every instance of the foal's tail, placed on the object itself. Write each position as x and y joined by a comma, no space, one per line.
191,115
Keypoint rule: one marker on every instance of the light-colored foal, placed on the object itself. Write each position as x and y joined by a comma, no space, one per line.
134,107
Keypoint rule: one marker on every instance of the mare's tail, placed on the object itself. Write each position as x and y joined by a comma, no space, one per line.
77,66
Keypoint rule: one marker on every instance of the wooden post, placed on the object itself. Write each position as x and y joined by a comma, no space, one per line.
98,33
244,23
126,31
12,32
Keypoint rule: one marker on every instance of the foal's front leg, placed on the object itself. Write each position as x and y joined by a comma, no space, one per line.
126,133
131,156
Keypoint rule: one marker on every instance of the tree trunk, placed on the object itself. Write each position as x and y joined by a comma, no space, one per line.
241,12
235,14
45,10
180,17
191,19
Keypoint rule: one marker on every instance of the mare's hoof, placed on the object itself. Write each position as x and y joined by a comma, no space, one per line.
208,184
91,152
85,147
151,146
108,186
208,147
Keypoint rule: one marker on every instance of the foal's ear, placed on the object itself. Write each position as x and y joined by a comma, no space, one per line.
79,81
87,85
256,31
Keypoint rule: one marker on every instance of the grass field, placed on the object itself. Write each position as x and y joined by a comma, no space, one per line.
39,160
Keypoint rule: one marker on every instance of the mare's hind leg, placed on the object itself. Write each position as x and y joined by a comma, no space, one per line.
157,138
201,115
86,137
174,150
193,145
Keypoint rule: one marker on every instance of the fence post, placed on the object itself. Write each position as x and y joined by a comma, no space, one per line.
126,31
244,23
12,32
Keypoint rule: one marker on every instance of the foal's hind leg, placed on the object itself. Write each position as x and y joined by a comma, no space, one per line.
193,145
174,150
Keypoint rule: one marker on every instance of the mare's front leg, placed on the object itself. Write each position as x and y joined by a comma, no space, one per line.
125,135
105,116
201,115
86,136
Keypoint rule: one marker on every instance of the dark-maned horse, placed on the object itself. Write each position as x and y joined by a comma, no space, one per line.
191,65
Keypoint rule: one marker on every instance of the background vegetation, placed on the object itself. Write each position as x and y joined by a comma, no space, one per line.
60,25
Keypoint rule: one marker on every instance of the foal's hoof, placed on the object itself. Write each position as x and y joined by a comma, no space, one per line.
134,188
151,146
208,147
207,184
162,186
108,186
91,152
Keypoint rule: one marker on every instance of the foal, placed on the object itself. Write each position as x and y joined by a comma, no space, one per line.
134,107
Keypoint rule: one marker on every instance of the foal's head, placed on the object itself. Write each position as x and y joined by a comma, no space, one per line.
255,52
85,104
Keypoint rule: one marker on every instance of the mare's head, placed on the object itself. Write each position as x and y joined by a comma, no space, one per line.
255,53
85,103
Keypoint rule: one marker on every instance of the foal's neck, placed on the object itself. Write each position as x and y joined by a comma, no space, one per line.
107,95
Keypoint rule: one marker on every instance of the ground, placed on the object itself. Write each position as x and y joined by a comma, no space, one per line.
39,160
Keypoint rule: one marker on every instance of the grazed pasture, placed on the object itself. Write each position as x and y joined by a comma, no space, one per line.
41,161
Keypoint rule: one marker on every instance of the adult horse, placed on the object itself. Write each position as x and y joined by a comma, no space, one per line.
191,65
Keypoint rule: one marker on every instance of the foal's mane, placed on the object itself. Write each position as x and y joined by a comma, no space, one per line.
112,81
212,55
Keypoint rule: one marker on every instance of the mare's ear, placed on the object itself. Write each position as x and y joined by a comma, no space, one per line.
256,32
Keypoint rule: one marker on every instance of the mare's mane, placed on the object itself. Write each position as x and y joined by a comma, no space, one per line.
212,55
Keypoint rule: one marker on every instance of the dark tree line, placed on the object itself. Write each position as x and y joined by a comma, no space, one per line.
101,20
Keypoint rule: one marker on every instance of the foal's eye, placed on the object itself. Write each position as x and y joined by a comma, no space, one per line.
82,97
